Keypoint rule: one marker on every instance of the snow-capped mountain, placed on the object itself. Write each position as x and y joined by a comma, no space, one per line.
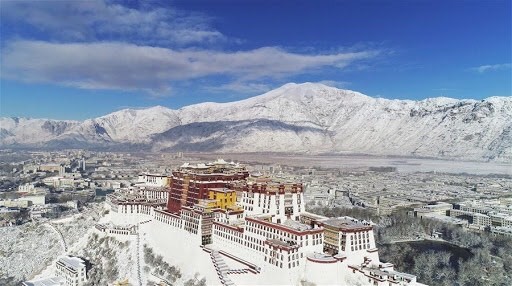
307,117
15,130
128,125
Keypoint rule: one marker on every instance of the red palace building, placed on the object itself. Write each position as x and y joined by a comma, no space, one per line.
191,183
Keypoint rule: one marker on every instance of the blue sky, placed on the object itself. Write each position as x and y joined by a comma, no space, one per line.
82,59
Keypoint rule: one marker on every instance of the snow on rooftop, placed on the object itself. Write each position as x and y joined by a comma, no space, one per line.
223,190
73,262
502,215
220,162
256,174
503,229
153,174
279,242
52,281
345,222
296,225
321,257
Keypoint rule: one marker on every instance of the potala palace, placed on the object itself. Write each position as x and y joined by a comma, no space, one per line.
248,229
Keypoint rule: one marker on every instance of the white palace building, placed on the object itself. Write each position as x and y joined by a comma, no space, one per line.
263,225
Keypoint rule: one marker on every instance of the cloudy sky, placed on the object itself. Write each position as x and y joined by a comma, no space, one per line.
85,58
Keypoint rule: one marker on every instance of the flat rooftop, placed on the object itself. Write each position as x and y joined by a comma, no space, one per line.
296,225
345,223
312,216
503,229
73,262
221,190
321,257
52,281
279,242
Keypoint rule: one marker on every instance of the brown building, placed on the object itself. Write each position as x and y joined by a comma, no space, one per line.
191,183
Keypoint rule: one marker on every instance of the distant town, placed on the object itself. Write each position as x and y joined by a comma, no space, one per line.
106,218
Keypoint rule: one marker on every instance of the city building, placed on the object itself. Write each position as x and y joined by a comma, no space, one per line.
30,189
15,203
501,230
440,208
37,200
476,214
50,167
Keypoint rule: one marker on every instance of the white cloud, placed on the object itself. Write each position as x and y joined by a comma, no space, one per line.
94,20
241,87
130,67
488,68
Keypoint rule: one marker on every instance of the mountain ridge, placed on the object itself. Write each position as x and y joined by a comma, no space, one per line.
300,118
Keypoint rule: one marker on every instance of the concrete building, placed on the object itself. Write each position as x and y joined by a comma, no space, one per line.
15,203
24,202
37,200
477,214
440,208
30,189
50,167
72,269
503,231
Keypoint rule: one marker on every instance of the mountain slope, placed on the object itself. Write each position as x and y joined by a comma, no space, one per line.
129,125
241,136
15,130
295,118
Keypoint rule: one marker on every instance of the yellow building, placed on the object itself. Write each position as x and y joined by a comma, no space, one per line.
226,199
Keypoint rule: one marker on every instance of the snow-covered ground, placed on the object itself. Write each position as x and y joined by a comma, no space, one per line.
37,246
26,250
179,248
30,250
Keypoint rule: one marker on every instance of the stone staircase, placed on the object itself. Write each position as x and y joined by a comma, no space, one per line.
222,268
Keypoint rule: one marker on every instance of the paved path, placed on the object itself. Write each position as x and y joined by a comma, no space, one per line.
138,257
63,241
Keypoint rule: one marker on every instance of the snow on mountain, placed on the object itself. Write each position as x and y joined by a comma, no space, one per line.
124,126
15,130
128,125
353,122
306,117
305,104
242,136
